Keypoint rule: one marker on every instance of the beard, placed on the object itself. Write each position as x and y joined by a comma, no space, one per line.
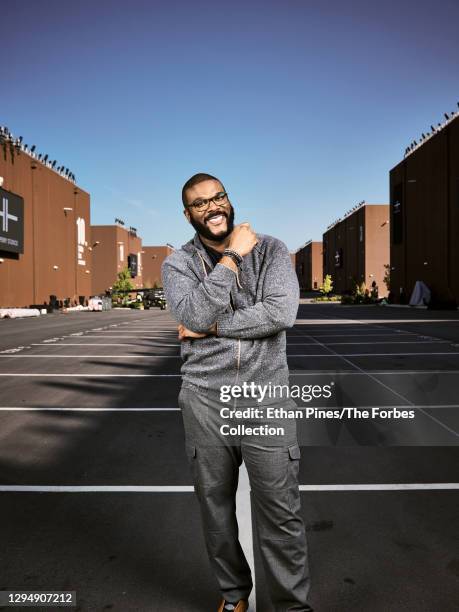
203,229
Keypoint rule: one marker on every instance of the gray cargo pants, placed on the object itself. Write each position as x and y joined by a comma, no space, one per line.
272,464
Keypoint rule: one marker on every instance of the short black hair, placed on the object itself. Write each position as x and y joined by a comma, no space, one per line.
194,180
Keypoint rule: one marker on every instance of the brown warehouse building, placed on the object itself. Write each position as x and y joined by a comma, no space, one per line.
309,265
153,257
114,249
424,196
44,230
356,248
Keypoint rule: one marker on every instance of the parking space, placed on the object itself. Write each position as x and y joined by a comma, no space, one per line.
96,494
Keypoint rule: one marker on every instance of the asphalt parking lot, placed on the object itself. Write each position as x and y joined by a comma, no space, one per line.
96,496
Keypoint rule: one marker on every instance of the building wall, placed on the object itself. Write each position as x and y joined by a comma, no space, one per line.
424,190
316,265
153,257
50,236
104,268
453,210
377,245
110,256
357,247
308,265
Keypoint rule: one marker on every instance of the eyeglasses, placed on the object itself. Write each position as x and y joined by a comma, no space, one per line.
202,205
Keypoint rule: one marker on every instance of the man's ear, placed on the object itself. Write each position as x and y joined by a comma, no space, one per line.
186,212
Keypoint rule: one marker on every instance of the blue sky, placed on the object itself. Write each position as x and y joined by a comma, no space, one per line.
300,107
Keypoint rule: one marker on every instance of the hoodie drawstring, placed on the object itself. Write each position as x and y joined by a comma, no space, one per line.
205,271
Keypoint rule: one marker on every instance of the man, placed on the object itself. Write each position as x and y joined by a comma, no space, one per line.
233,293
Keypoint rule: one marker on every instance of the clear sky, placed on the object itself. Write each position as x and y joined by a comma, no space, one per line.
300,106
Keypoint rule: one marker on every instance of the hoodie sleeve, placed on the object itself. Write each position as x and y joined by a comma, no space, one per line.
196,304
279,305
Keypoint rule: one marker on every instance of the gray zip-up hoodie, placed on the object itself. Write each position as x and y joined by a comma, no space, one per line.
252,309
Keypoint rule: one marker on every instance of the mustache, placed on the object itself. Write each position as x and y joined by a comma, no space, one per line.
216,214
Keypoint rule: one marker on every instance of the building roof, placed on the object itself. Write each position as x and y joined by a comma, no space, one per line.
16,144
414,146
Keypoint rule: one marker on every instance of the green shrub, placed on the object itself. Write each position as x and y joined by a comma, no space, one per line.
330,298
327,286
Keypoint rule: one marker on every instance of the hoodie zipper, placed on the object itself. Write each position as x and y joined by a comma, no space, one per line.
238,353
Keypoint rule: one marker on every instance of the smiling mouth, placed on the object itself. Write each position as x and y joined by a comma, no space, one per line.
216,220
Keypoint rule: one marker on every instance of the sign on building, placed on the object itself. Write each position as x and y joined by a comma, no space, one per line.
339,258
11,222
81,240
132,264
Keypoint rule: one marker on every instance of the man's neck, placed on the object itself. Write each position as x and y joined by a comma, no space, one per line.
216,246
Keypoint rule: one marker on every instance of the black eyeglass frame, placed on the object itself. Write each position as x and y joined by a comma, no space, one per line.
203,205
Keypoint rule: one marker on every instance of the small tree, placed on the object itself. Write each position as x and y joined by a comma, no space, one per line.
359,291
122,284
327,286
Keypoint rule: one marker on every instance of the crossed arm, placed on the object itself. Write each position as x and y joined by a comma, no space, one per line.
201,308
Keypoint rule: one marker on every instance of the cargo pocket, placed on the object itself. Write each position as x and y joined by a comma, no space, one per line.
294,501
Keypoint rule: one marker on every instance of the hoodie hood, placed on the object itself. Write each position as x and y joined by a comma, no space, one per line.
196,248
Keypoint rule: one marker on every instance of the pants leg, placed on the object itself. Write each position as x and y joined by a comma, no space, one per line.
215,472
273,473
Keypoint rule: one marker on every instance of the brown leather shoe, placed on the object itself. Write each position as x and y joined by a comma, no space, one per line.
242,606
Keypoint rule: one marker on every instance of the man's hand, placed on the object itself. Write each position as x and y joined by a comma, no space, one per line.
184,333
243,239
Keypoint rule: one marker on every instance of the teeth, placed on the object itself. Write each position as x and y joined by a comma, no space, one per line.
216,220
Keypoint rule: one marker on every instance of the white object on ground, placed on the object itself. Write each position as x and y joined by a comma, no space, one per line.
13,313
421,294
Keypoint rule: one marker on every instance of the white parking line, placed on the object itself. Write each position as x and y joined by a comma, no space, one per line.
101,344
427,486
386,386
146,409
131,356
377,335
133,332
126,336
37,374
379,322
154,327
302,373
160,356
84,409
331,321
366,372
289,343
381,342
125,330
345,354
96,489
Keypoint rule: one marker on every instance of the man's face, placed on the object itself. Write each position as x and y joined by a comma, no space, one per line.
215,223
